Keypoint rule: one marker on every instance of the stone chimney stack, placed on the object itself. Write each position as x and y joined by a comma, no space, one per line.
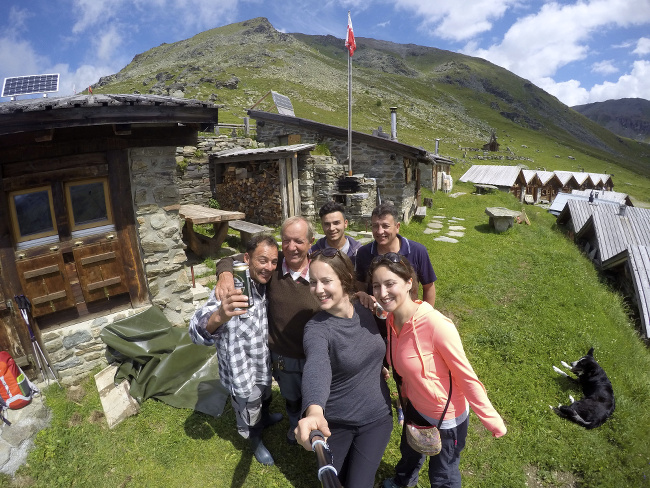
393,123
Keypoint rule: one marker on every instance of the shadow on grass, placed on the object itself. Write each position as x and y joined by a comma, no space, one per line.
296,464
484,229
203,427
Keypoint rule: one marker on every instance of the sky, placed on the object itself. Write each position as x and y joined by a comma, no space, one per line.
579,51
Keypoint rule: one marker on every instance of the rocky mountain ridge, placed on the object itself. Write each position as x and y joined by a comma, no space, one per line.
627,117
440,94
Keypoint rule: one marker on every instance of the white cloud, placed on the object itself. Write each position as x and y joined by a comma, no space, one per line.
635,84
642,46
538,45
384,24
456,20
107,43
18,58
605,67
92,12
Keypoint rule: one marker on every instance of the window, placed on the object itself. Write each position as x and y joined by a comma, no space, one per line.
88,204
32,214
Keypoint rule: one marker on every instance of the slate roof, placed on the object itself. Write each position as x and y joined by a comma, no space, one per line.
235,155
419,153
86,110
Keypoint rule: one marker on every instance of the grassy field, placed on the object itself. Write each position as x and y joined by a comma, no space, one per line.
523,301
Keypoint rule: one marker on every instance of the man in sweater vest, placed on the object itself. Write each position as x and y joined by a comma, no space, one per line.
290,306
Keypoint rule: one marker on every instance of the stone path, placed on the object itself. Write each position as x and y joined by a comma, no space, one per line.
439,223
18,438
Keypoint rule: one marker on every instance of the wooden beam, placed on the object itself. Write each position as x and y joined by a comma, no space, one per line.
296,184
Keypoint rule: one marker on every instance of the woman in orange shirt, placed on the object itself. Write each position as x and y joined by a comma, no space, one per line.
424,348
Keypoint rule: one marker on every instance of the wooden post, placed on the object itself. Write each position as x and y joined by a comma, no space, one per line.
295,183
283,189
246,126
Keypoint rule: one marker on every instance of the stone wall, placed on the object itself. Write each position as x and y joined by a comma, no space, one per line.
385,167
196,181
76,350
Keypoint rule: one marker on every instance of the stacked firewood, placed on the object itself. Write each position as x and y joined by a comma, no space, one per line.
253,189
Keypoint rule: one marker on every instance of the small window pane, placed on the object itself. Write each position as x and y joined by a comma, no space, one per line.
88,203
33,213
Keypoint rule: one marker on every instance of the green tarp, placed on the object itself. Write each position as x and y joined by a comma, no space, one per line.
162,362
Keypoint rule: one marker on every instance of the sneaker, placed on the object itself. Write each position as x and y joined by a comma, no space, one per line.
291,437
390,483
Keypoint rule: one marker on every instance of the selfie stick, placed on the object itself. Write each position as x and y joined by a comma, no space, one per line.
327,474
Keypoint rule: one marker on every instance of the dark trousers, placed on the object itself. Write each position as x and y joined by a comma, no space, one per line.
357,451
288,373
443,469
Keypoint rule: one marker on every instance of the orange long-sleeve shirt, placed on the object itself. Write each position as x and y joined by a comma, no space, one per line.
427,348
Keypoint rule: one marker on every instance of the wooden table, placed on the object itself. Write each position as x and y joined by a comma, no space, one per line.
197,214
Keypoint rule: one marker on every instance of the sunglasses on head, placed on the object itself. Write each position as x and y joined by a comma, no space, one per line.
393,257
328,252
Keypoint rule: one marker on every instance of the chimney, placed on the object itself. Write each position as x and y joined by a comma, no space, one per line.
437,146
393,123
622,209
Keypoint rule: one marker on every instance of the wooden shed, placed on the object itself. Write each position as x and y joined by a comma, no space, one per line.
84,183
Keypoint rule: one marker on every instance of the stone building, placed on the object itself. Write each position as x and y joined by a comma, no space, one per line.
89,216
394,166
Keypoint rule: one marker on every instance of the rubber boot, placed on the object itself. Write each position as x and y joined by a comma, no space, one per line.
261,453
269,419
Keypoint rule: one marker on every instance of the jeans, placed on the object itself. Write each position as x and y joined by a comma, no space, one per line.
443,469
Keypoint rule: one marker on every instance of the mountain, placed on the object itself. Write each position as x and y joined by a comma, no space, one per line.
627,117
458,99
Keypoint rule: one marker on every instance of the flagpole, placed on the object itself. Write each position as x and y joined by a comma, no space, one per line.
349,115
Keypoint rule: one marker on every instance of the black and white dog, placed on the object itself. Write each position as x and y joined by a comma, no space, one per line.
598,402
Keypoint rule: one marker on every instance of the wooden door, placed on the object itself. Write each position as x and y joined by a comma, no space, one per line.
45,284
100,270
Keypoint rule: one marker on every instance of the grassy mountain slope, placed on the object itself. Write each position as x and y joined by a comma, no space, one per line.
627,117
439,94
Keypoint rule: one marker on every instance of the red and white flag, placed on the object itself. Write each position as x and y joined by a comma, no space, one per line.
350,44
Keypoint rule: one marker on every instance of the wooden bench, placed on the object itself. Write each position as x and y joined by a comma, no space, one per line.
248,229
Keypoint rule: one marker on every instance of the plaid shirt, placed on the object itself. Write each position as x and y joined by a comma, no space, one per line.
241,343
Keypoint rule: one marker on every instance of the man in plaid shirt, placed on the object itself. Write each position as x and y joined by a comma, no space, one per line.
242,345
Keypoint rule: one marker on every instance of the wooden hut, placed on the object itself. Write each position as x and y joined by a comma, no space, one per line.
89,215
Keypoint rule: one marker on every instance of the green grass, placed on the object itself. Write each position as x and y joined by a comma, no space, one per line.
522,300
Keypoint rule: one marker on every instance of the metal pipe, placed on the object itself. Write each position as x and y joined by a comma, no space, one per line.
393,123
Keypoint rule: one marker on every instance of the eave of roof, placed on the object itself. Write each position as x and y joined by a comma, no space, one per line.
264,153
87,110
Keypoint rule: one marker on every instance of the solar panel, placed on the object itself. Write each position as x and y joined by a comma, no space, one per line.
28,85
283,104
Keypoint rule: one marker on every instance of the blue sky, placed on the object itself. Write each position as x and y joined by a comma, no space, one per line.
580,51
